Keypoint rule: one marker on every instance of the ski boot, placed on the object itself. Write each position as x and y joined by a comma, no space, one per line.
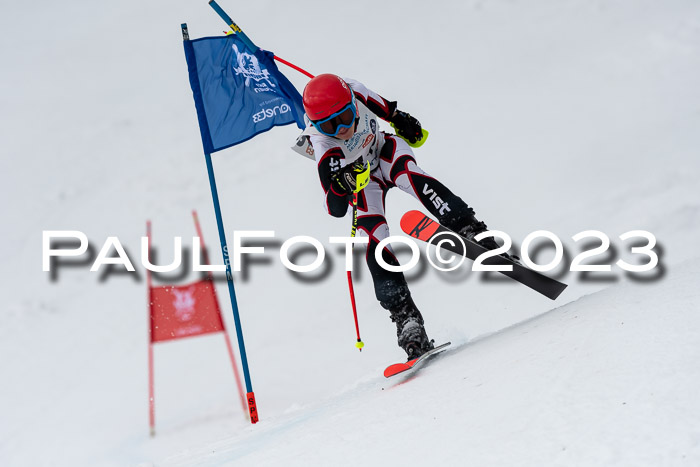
410,330
474,228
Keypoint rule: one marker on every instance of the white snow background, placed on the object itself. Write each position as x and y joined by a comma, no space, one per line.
563,115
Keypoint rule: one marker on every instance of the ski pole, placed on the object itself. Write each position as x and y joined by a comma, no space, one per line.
353,232
246,40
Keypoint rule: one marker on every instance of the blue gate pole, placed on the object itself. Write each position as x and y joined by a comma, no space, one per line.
250,396
239,32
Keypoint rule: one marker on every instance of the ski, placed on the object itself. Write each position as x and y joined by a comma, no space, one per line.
418,225
397,368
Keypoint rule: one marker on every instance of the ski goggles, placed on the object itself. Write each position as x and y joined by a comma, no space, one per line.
344,118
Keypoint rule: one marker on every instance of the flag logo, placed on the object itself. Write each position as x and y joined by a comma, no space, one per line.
238,93
249,67
184,303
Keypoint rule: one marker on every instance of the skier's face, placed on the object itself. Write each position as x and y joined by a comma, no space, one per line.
346,133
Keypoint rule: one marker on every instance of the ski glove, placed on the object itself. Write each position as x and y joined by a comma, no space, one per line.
407,127
352,178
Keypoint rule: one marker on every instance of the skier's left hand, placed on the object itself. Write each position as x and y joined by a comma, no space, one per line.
407,126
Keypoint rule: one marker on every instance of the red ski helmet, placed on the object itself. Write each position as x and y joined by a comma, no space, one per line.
325,95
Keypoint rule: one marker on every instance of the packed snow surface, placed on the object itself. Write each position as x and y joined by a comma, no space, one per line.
558,115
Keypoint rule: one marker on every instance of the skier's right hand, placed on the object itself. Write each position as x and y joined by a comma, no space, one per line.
352,178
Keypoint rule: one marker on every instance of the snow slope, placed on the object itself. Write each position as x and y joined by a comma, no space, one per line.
585,115
609,379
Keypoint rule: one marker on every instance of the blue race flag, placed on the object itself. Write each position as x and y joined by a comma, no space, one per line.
238,94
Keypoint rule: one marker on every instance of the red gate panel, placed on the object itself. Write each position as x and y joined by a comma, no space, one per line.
184,311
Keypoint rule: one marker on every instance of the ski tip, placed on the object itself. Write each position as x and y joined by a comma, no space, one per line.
418,225
395,369
410,218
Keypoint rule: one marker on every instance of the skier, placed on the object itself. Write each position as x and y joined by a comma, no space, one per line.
349,148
